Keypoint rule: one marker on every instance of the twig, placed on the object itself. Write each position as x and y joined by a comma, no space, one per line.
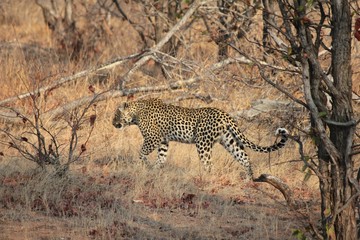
310,164
277,86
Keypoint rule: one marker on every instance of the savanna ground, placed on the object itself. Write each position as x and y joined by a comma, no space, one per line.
108,193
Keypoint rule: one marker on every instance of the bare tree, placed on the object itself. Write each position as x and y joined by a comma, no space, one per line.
59,17
301,29
230,21
336,168
41,143
157,19
73,37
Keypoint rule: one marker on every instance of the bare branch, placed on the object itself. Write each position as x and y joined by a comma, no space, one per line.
333,152
308,164
261,69
117,4
163,41
341,124
112,93
111,64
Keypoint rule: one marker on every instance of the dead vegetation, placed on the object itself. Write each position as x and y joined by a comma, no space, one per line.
107,193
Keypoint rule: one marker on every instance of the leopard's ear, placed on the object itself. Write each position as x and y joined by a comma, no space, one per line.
130,97
126,105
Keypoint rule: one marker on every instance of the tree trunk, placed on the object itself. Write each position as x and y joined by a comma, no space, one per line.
342,137
63,26
224,30
268,20
333,129
169,8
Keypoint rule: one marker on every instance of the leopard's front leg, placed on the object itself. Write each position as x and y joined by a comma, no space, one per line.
162,154
148,147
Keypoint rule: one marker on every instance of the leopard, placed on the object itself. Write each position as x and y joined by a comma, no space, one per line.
160,123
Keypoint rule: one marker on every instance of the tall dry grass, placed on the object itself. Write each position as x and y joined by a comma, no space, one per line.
108,193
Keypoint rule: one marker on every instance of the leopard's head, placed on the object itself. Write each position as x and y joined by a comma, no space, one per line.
124,115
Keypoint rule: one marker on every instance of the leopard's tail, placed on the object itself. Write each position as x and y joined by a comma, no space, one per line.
241,138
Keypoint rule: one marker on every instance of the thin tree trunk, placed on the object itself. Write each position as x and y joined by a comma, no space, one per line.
268,20
224,30
342,137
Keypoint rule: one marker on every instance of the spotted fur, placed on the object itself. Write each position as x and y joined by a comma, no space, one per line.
160,123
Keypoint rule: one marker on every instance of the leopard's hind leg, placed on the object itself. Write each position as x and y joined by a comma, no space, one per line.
204,150
236,149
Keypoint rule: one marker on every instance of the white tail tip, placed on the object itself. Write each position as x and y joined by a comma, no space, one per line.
281,131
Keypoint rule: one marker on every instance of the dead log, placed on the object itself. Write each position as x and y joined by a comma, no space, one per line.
282,187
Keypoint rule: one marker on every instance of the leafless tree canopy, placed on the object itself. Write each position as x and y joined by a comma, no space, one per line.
307,42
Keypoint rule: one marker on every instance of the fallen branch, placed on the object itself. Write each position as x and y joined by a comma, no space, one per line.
111,64
288,195
12,117
281,186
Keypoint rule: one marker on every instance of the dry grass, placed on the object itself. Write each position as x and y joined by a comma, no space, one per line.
122,199
109,194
